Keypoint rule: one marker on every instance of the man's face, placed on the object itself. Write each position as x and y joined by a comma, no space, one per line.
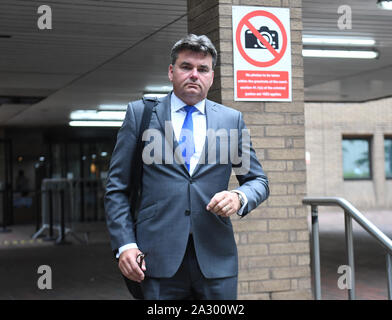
192,76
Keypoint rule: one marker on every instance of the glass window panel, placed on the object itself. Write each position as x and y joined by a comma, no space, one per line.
56,161
73,158
388,157
356,158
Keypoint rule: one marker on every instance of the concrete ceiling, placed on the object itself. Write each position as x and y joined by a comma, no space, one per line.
111,52
348,79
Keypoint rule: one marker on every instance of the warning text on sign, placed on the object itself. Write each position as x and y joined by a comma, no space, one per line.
262,84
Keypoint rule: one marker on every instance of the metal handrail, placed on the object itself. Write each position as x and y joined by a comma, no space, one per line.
350,212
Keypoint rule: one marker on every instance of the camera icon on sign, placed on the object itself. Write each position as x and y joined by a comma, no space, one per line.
251,41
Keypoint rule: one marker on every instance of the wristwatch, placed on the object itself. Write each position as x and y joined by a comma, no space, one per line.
240,197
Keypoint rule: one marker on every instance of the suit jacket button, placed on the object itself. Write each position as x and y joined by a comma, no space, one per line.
187,212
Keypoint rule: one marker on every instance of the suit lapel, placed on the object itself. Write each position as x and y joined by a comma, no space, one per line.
163,112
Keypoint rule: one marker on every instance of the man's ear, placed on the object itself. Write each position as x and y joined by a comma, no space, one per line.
170,72
212,78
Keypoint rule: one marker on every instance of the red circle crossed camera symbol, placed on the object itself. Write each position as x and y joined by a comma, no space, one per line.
245,22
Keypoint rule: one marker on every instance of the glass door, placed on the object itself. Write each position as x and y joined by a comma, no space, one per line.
86,162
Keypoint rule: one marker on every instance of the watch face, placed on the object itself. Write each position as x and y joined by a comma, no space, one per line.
241,199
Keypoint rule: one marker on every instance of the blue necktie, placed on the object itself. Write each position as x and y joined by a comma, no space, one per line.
186,140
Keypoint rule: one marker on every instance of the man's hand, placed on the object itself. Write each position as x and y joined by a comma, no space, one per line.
224,203
128,264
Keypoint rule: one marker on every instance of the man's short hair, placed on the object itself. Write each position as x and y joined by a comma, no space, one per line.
195,43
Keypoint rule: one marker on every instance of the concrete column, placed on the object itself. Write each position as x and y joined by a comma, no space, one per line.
273,241
378,168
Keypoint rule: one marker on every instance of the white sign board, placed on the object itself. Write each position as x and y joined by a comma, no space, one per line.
262,54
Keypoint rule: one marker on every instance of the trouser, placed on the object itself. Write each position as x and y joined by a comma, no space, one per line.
189,283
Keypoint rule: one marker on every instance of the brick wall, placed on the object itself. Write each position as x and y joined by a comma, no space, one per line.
326,124
273,241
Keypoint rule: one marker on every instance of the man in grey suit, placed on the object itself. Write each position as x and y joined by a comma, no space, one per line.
183,222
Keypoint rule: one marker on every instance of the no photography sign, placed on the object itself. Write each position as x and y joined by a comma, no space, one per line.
261,53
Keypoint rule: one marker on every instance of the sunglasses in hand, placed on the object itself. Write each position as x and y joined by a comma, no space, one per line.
139,259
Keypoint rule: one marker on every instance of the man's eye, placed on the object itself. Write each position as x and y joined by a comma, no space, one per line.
203,70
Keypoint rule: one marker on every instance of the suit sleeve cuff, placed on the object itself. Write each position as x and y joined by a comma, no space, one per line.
126,247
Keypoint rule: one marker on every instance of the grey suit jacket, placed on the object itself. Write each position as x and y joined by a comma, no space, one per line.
173,203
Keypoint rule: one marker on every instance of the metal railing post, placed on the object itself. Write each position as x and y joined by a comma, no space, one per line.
348,226
389,275
316,253
350,212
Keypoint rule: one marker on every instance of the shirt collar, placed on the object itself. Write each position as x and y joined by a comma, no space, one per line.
177,104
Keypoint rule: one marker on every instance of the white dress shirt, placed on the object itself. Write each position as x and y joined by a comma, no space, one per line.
199,119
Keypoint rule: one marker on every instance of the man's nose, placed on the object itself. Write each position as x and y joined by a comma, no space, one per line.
195,73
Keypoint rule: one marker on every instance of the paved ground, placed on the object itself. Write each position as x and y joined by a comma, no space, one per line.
82,271
79,271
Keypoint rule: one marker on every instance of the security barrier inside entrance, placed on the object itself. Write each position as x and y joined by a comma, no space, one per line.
67,201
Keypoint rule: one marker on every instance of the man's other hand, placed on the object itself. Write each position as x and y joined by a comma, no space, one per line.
128,264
